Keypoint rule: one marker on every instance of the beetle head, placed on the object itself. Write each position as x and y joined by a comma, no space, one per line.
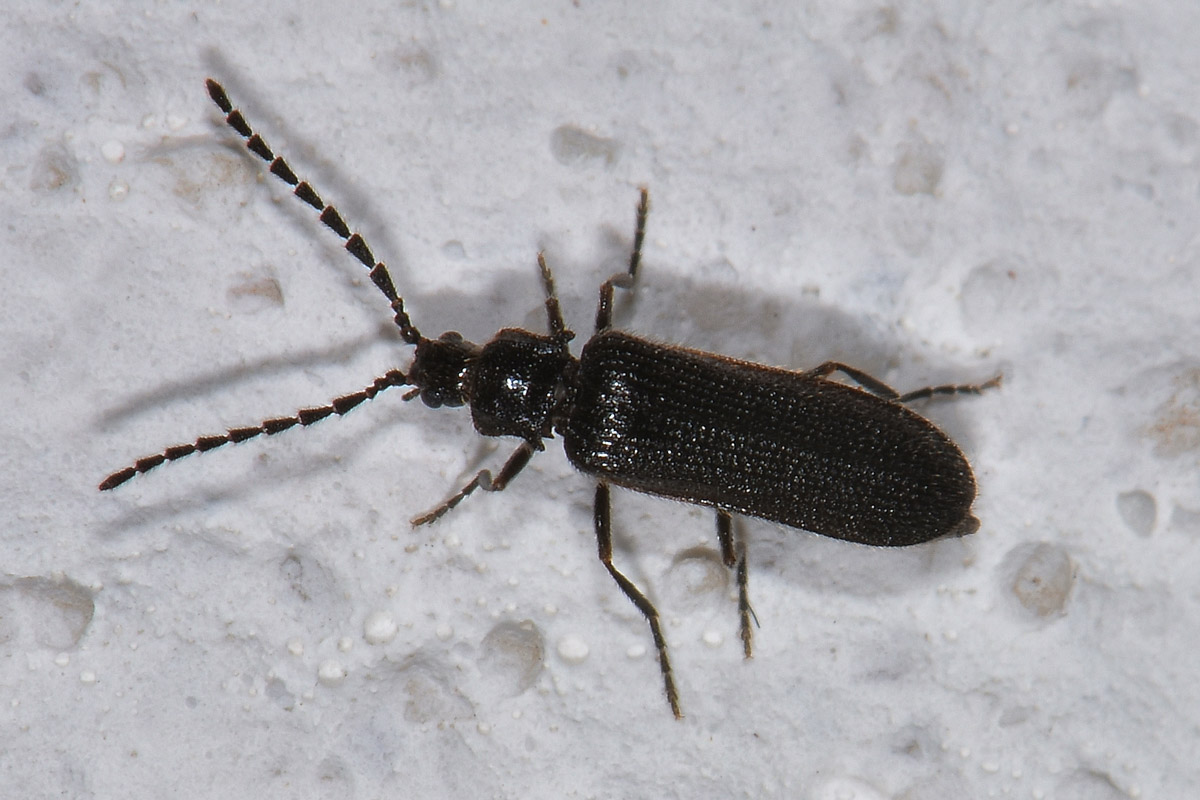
441,368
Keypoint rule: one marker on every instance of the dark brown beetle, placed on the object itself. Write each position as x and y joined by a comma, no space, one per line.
790,447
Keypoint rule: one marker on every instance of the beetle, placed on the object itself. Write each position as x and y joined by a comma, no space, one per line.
792,447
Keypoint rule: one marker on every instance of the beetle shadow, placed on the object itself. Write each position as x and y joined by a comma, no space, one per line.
793,332
797,332
304,151
669,304
830,566
220,380
337,452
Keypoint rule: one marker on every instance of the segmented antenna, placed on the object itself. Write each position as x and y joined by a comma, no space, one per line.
356,246
354,242
270,427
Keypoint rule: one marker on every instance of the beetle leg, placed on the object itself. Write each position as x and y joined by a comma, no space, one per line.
872,385
554,317
482,480
603,520
725,538
733,553
624,279
745,610
878,387
950,388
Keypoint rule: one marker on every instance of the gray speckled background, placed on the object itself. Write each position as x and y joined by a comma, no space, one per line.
931,191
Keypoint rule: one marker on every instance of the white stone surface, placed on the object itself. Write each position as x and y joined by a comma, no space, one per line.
932,191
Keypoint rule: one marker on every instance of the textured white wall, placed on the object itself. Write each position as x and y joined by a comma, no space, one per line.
931,191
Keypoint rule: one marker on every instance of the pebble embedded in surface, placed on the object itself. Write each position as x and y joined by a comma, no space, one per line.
573,145
54,613
918,170
846,789
1042,577
380,627
698,579
572,649
513,653
113,151
331,673
1139,511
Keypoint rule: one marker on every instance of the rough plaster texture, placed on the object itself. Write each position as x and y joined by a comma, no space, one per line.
931,191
